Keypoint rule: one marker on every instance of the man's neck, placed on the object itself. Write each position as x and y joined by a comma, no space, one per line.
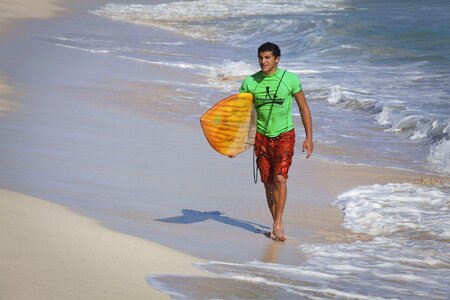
271,73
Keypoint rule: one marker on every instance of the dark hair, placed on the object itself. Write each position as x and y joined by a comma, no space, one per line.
270,47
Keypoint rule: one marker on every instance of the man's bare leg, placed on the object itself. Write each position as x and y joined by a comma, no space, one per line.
270,200
279,197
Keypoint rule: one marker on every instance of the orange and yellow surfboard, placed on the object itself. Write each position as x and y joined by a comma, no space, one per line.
229,126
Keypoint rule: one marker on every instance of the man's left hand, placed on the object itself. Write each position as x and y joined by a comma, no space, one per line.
308,146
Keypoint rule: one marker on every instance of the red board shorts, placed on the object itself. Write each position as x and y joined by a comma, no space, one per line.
274,155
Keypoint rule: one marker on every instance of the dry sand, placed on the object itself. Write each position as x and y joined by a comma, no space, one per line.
49,252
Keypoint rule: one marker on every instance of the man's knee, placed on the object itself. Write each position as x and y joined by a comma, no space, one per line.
279,180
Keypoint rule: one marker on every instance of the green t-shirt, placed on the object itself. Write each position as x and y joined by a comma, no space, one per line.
263,89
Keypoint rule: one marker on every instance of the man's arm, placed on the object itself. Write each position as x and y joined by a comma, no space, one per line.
307,122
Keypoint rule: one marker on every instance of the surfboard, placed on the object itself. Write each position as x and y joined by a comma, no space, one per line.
230,125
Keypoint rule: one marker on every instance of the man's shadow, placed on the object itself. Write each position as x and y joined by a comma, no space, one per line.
194,216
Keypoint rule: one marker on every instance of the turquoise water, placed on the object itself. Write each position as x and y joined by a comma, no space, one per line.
375,73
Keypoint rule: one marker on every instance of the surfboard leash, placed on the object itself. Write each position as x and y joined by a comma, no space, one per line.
255,165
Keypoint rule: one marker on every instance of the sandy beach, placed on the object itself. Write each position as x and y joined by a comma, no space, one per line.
49,252
103,184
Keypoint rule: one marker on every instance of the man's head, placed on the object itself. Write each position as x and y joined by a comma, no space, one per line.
269,56
271,47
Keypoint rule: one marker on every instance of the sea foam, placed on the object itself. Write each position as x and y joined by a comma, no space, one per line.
386,209
439,156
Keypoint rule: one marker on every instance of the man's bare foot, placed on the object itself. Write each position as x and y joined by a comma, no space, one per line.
278,232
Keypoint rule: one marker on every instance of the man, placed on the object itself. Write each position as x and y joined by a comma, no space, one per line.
273,90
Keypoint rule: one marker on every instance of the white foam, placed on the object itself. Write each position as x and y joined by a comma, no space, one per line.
351,98
335,94
406,123
232,69
179,65
304,71
384,267
228,75
182,16
385,117
404,277
385,209
439,156
208,10
397,267
418,125
398,118
84,49
348,46
166,43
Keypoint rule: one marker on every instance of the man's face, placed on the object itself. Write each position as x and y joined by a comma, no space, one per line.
268,62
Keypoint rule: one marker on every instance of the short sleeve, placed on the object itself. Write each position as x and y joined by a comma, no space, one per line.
295,84
244,87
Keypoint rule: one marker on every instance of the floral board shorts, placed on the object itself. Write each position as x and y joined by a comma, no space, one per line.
274,155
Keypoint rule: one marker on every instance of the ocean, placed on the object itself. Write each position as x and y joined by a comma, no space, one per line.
384,65
376,76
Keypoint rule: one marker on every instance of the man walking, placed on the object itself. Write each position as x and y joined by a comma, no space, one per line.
273,90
